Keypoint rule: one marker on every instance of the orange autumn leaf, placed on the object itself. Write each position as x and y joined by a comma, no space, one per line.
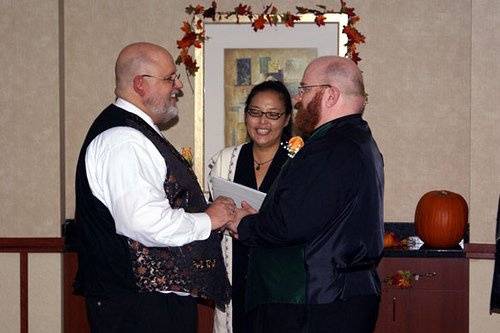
355,57
198,9
290,19
194,10
186,27
186,41
320,20
210,12
347,10
353,34
242,9
259,23
354,20
183,54
402,279
190,65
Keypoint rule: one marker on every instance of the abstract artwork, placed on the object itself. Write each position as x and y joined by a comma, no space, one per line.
244,68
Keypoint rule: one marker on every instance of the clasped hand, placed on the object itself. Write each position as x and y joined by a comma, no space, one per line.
224,214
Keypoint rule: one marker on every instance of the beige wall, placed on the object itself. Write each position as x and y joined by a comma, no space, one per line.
485,158
430,67
29,119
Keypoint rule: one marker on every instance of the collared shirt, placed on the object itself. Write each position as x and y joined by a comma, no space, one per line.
126,173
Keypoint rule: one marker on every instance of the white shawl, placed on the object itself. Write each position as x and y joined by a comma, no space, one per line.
223,165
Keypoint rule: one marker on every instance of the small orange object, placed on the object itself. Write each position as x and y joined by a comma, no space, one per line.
187,153
295,143
391,240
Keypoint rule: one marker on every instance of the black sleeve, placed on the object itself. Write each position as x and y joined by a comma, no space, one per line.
312,192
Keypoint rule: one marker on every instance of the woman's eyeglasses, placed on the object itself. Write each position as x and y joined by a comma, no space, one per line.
269,115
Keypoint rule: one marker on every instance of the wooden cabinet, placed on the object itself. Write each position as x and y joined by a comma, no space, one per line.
437,301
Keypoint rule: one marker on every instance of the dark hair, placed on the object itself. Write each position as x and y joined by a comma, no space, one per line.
283,94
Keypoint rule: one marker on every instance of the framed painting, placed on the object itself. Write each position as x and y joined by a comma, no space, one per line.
235,58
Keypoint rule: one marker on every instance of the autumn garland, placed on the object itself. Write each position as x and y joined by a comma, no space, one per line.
194,29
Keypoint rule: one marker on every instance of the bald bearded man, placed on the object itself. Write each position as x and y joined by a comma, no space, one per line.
145,230
323,215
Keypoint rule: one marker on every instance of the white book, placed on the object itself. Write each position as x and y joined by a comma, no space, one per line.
237,192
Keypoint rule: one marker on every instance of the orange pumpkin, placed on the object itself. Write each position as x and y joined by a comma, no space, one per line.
440,218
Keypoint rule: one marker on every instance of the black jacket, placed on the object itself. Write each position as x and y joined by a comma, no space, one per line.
329,200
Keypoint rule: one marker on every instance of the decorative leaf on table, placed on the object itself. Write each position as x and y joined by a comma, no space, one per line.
402,279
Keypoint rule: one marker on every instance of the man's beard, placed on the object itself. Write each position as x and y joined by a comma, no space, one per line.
165,112
307,118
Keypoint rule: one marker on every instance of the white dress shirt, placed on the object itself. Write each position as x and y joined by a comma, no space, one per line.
126,173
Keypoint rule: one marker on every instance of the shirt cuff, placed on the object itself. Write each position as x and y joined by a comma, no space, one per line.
202,226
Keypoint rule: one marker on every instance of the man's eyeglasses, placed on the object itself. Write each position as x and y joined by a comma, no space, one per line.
172,78
301,90
269,115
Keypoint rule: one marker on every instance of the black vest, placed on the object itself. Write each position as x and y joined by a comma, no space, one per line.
111,264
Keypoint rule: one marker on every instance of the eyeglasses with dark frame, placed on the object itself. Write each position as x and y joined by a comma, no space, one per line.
172,78
301,90
256,113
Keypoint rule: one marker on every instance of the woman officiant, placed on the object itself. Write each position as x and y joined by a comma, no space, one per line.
255,164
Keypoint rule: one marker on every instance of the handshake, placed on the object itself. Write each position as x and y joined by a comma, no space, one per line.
224,214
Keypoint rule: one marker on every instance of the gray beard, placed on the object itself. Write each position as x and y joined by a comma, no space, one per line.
166,115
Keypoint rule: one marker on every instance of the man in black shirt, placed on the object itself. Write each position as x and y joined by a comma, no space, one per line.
328,201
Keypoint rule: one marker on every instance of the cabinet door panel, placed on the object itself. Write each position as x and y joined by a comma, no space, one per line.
438,311
392,314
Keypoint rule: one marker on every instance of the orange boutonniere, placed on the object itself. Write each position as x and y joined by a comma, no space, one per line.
187,153
293,145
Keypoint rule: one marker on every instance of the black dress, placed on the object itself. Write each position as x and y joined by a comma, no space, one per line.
245,175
